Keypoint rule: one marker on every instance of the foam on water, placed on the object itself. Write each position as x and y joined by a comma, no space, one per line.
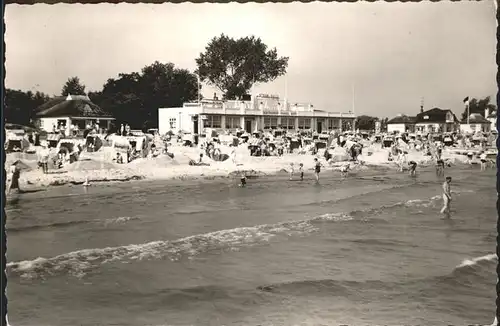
477,260
106,222
78,263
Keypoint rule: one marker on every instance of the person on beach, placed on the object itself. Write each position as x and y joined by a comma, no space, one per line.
439,151
301,171
484,161
291,171
439,167
446,197
413,168
15,174
43,158
317,169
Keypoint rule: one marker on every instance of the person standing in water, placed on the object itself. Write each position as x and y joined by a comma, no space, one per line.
243,180
301,171
317,169
413,168
446,197
291,171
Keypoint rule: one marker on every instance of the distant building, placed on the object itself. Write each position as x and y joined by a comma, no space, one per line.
492,118
401,124
436,120
475,123
263,112
71,110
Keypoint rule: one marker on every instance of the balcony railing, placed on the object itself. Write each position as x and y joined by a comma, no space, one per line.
245,107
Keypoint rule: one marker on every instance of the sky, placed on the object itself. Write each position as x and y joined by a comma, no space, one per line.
378,58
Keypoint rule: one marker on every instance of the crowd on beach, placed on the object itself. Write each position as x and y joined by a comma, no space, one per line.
342,151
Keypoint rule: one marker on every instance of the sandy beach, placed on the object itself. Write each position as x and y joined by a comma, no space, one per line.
99,167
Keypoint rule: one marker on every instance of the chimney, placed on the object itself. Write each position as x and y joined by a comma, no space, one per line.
421,109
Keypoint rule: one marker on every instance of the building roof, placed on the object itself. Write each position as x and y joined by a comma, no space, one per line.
435,115
476,118
493,114
402,119
70,106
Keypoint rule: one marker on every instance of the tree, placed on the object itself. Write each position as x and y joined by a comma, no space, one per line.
365,122
20,107
73,87
383,124
135,98
234,66
478,106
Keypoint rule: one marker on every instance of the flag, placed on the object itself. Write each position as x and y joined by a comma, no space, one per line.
466,100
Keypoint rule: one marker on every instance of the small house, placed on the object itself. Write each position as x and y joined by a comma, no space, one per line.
71,113
401,124
475,123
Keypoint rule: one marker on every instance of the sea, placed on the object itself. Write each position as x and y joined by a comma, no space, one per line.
370,249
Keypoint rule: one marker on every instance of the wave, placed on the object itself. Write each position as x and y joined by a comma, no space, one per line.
468,273
66,224
78,263
478,261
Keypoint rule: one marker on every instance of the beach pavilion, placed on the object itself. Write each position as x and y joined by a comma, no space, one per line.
76,110
261,112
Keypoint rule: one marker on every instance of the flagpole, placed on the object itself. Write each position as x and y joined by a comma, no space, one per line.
468,112
286,92
353,108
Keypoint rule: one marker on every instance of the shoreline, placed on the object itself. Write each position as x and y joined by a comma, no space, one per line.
97,168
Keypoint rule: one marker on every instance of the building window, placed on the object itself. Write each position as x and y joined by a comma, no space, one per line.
270,122
233,122
333,124
304,123
212,121
172,122
288,123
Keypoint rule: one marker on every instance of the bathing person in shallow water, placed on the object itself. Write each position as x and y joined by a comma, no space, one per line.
243,180
446,197
317,169
301,171
291,171
413,168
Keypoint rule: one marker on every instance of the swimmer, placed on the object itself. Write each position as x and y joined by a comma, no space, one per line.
413,168
291,171
446,197
317,169
301,171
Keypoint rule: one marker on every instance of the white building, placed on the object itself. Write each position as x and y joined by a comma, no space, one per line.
401,124
492,118
264,112
475,123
